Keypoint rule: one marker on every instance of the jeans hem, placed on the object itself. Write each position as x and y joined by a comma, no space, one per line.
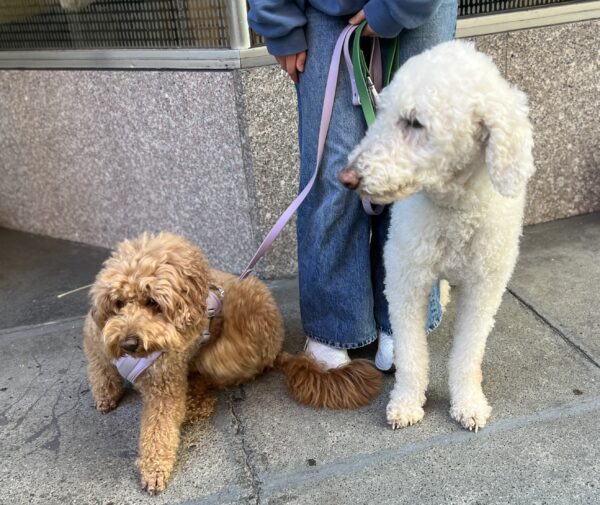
338,345
384,329
434,324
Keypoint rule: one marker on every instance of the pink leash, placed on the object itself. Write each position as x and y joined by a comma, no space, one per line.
341,45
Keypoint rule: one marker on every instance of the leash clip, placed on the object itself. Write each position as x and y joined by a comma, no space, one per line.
372,90
215,300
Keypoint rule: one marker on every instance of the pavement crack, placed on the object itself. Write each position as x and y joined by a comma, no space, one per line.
554,329
25,393
236,398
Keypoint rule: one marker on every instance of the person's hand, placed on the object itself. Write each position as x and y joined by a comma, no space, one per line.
292,64
359,18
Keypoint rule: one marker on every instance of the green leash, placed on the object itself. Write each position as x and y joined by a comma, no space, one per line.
363,77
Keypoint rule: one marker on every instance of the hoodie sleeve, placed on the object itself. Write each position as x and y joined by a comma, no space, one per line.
389,17
281,23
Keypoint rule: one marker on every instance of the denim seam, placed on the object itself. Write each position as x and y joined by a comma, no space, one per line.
437,320
384,329
337,345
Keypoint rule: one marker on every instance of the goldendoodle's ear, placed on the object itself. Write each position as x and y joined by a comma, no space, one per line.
181,285
101,304
509,154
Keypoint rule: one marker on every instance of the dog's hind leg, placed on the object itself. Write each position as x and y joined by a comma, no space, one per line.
476,307
106,383
200,402
162,415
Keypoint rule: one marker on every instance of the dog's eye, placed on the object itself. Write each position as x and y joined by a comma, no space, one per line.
119,304
411,122
153,304
414,123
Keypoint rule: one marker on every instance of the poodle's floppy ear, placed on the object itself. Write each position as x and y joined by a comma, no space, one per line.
181,282
508,154
101,304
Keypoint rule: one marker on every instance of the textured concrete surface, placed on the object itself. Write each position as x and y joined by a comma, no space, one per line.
512,382
559,273
561,78
270,131
61,450
34,270
541,445
563,96
98,156
547,459
494,46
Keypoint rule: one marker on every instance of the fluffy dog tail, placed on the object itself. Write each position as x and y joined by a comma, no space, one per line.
347,387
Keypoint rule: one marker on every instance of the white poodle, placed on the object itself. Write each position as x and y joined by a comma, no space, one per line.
452,145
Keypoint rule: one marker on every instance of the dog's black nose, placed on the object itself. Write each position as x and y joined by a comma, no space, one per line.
349,178
130,344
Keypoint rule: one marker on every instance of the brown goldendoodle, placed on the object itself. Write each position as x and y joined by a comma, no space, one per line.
152,301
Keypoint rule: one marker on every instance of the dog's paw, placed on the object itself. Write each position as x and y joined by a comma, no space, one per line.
154,480
105,405
471,415
401,413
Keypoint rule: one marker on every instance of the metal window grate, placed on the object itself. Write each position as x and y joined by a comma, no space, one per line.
87,24
467,8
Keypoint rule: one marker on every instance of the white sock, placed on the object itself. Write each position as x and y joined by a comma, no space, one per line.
327,355
384,359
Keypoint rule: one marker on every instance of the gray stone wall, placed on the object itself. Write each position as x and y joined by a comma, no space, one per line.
559,68
96,156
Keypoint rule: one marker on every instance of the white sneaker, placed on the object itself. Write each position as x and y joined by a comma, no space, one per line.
384,359
327,355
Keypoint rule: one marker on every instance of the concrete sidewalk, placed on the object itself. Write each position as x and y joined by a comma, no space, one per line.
542,376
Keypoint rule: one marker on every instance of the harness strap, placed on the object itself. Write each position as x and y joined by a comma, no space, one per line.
130,367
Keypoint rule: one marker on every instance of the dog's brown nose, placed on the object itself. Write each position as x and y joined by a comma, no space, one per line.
349,178
130,344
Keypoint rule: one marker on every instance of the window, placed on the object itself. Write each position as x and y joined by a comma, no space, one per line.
89,24
182,24
479,7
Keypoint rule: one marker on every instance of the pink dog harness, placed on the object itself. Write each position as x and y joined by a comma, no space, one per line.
130,367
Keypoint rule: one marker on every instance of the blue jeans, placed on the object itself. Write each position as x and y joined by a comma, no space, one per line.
340,247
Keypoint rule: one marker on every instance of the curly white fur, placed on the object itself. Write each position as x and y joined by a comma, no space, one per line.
454,136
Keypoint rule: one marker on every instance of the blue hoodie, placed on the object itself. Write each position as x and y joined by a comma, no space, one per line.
282,22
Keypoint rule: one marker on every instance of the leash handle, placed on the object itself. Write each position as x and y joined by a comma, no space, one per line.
324,128
368,82
362,76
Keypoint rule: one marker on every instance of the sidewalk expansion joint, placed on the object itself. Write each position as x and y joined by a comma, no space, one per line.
236,397
554,329
357,464
47,328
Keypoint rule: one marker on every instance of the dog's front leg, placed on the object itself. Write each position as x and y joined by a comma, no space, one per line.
162,416
407,291
476,307
106,383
